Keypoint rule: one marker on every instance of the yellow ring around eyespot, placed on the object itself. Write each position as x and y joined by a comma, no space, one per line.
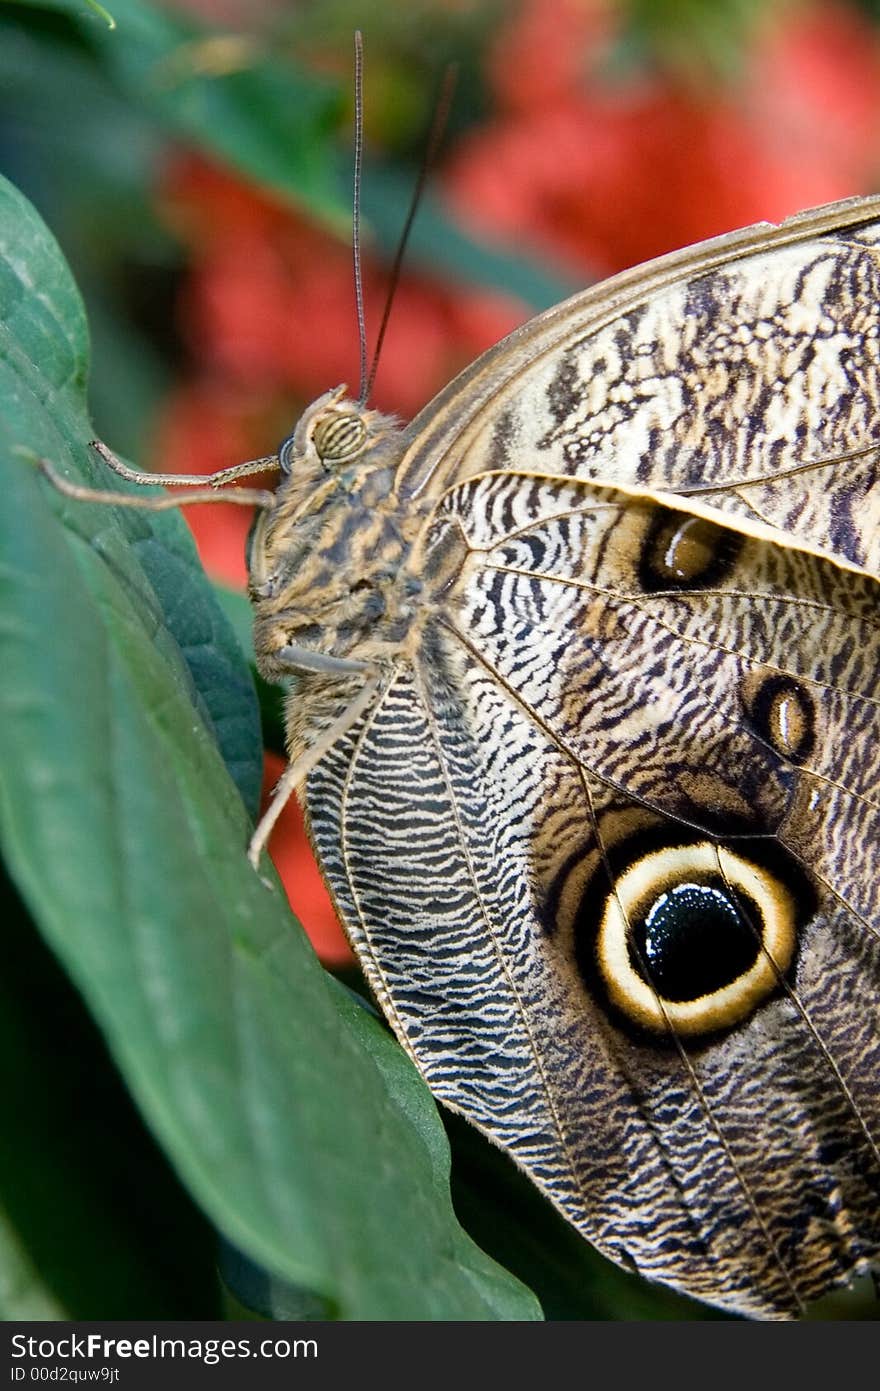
662,870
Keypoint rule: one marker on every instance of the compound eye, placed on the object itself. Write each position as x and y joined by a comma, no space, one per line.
285,454
339,435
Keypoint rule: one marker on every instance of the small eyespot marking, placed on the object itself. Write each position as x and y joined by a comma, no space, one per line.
682,551
782,713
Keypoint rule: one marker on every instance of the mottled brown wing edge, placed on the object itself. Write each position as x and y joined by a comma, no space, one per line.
440,431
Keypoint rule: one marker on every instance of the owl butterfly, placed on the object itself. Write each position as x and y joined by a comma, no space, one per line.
588,718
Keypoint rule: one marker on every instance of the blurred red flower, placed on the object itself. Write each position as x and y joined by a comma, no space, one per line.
268,312
292,856
602,172
269,301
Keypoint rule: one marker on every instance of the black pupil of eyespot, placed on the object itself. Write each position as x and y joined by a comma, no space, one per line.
693,940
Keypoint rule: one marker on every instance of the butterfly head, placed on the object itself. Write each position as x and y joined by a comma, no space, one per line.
332,434
327,561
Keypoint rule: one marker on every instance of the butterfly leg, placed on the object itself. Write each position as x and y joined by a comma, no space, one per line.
299,769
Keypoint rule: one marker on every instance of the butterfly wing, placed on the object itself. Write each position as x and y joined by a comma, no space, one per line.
607,846
743,372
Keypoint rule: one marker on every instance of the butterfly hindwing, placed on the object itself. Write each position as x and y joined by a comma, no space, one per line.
711,675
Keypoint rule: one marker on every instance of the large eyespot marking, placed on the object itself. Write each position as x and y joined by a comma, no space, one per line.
782,714
692,938
681,551
339,435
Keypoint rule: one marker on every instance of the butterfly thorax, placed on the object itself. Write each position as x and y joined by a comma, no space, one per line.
329,569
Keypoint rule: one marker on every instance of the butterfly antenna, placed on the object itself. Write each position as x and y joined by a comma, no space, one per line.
356,209
435,137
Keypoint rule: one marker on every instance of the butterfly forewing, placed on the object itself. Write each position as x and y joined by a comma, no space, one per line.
745,371
607,840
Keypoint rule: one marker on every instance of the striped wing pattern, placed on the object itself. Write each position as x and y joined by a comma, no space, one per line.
663,631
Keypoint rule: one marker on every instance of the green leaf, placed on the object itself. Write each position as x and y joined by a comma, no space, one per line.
269,118
294,1119
77,9
23,1294
56,107
92,1221
253,1293
271,698
691,39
